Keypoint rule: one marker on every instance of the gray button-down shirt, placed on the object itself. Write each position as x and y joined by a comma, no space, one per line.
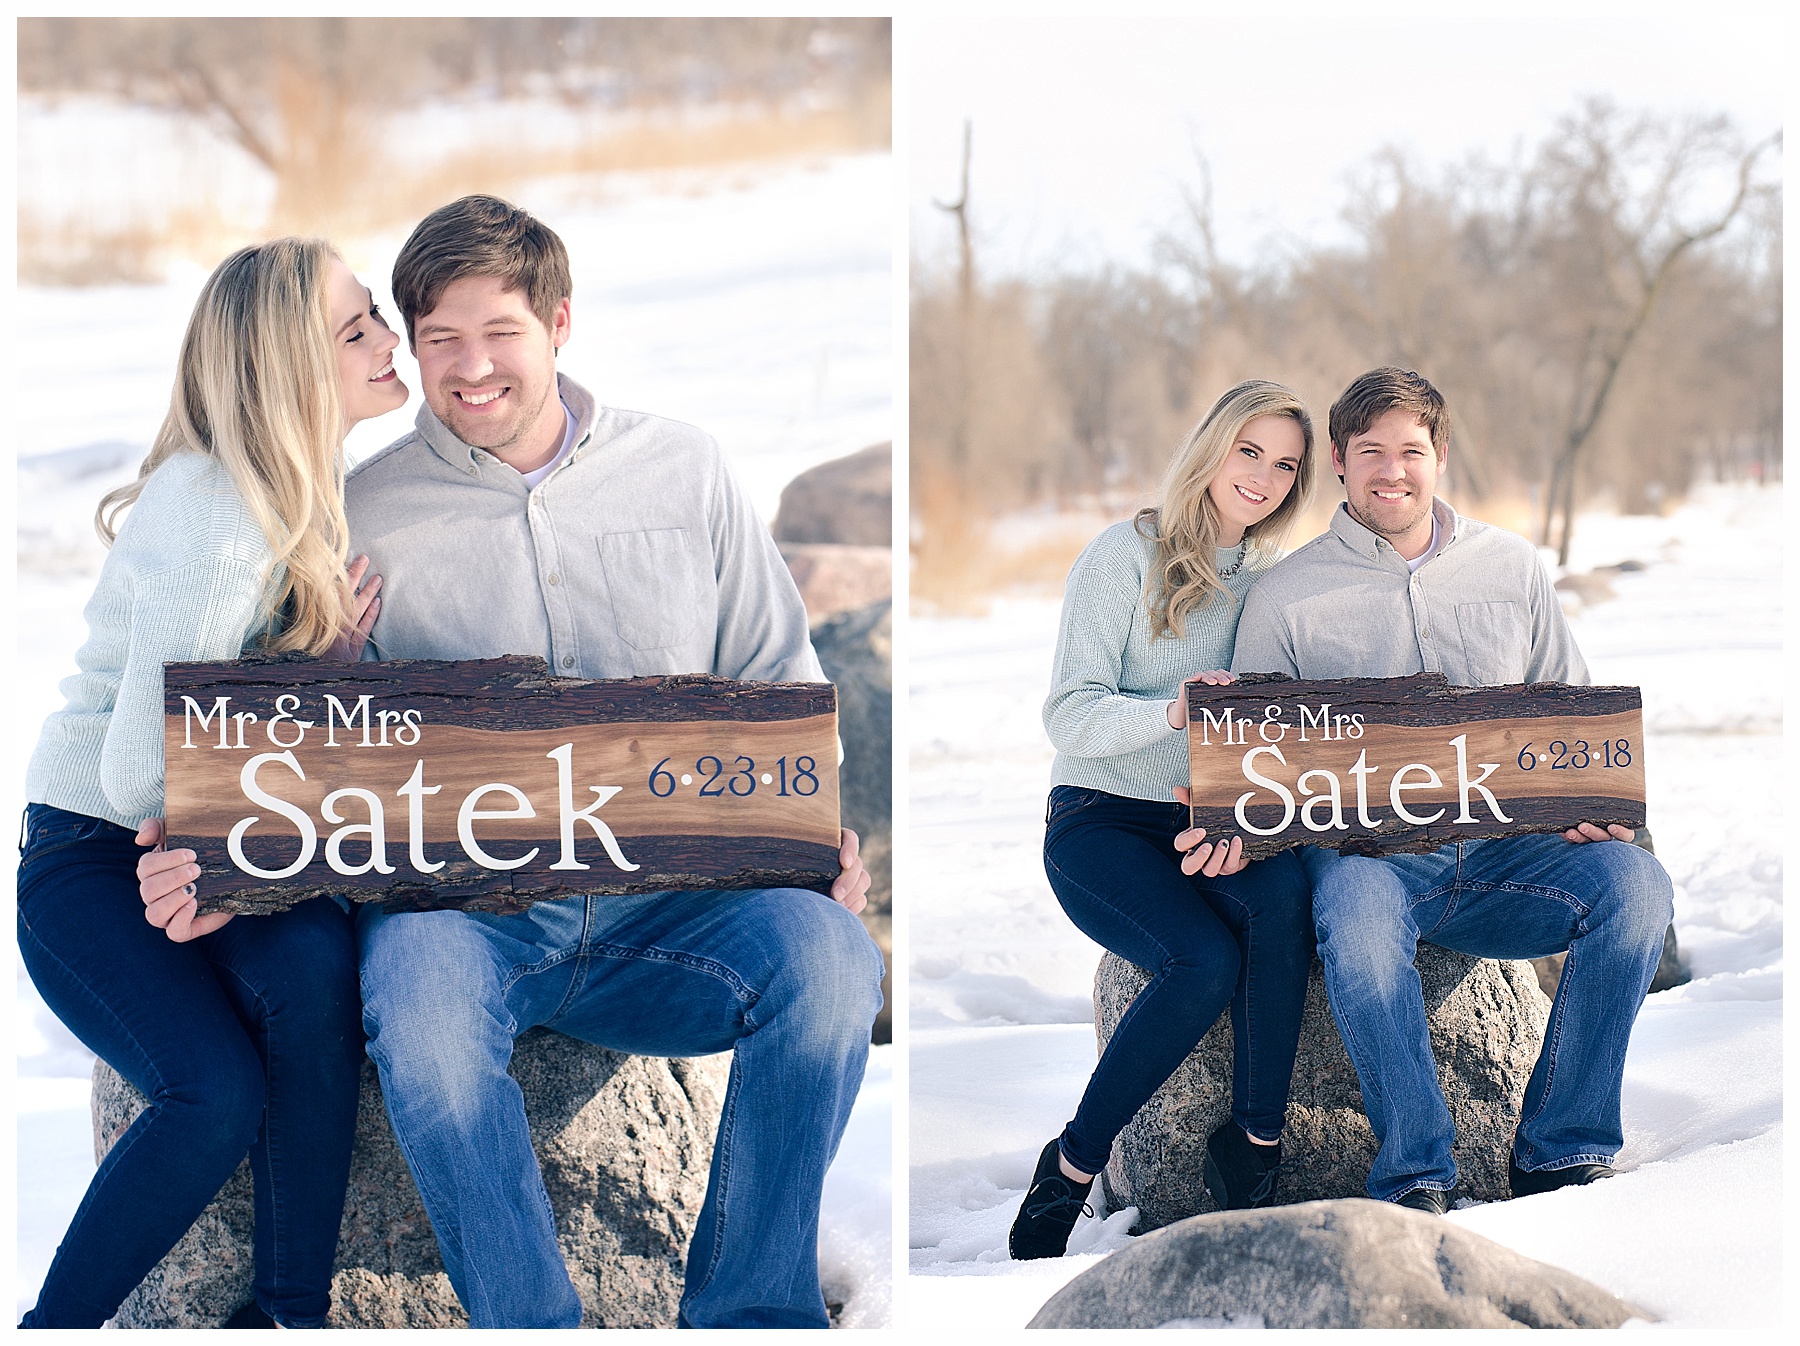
1481,611
639,554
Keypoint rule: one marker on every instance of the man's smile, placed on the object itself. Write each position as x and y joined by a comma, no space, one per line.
479,397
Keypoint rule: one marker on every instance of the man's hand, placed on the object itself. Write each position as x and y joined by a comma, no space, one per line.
165,882
1176,711
1582,833
1200,856
850,889
366,600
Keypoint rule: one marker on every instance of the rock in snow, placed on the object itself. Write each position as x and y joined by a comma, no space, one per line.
848,500
624,1143
1350,1263
1487,1019
856,651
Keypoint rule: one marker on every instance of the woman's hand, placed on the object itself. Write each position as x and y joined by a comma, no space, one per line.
366,601
1200,856
166,883
1176,710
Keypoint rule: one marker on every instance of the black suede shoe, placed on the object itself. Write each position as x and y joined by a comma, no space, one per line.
1427,1199
251,1315
1525,1183
1240,1174
1047,1215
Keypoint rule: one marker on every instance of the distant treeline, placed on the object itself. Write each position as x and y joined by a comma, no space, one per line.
624,61
313,100
1604,318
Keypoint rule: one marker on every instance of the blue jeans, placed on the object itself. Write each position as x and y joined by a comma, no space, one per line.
1243,940
1606,902
246,1040
784,979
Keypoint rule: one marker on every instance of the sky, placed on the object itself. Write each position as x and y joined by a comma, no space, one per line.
1084,129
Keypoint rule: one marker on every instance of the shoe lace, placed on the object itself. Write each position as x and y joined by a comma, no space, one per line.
1264,1189
1060,1203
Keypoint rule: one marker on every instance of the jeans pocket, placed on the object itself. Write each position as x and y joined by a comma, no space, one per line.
1065,800
49,829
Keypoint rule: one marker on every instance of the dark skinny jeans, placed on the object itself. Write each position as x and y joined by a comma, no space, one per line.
1243,940
247,1040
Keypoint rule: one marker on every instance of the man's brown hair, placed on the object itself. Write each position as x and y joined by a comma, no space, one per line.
481,236
1371,396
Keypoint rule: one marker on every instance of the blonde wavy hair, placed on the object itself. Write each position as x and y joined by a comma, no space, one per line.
257,388
1185,526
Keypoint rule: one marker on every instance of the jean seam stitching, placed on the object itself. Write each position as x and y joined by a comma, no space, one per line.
277,1251
722,1146
1552,1044
626,953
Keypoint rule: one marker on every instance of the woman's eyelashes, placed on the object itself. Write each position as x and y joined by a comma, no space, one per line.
1252,452
373,313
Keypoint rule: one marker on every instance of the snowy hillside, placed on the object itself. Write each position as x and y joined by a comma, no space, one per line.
1002,1038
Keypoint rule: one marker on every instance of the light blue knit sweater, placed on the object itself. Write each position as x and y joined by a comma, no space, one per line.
1111,683
184,581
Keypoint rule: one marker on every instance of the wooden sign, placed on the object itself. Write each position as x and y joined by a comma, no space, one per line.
1371,766
488,784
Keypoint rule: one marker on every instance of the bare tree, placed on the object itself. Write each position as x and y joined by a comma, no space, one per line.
1604,317
302,96
965,291
1612,251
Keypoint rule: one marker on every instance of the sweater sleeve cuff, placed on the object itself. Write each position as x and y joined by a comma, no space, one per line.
1146,722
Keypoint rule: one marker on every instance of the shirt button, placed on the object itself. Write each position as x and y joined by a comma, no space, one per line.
568,661
555,579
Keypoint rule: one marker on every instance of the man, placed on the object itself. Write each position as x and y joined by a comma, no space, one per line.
520,517
1401,584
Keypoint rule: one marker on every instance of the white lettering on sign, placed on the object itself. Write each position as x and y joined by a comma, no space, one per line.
469,814
414,792
309,836
1322,791
375,830
190,708
1256,778
1399,783
335,712
564,757
1464,784
1329,796
1210,722
285,706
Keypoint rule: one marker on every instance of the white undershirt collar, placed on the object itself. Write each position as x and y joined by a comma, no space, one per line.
1437,533
537,474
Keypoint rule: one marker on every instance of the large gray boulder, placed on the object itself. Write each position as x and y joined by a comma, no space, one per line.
1487,1021
856,650
624,1143
834,578
849,500
1351,1263
835,531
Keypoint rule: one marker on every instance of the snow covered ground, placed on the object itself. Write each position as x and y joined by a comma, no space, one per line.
755,302
1000,982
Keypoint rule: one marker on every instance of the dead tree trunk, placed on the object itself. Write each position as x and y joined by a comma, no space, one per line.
965,296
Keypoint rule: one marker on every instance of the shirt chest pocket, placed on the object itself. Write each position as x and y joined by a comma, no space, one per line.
652,581
1495,642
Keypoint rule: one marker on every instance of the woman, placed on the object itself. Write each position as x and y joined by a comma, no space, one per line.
1151,605
245,1036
